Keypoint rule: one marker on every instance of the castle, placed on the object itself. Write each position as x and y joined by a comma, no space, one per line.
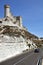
10,20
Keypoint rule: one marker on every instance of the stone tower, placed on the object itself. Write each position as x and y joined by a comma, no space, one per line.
6,10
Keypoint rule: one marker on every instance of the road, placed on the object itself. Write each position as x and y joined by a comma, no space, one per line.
28,58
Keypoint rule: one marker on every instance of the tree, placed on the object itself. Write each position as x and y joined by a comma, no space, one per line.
29,45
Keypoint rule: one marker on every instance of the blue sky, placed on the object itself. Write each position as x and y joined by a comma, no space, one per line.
31,12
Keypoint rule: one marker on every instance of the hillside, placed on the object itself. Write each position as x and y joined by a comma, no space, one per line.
14,38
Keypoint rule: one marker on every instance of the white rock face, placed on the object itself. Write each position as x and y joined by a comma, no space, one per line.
14,39
10,47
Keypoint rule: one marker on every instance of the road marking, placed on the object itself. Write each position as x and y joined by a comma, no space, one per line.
39,61
23,59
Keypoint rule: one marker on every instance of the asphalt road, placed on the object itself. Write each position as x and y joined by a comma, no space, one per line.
28,58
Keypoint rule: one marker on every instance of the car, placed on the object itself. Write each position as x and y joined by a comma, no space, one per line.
36,50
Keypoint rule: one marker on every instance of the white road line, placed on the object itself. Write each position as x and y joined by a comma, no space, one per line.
38,63
23,59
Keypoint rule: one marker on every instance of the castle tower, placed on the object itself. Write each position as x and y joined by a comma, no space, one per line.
6,10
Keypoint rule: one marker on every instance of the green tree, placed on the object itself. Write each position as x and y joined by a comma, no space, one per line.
29,45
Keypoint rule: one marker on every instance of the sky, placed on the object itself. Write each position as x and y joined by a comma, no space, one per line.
31,12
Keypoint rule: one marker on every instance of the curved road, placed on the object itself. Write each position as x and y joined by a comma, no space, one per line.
28,58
